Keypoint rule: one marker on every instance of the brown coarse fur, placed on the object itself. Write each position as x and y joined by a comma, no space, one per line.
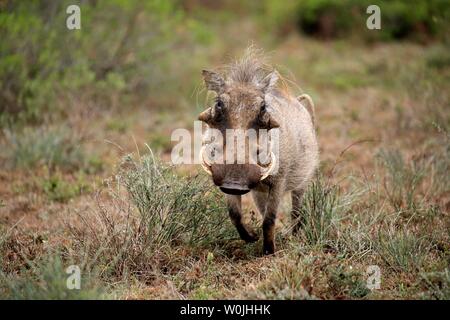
249,95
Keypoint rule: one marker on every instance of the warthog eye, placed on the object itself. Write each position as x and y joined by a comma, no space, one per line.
265,120
263,107
218,110
263,115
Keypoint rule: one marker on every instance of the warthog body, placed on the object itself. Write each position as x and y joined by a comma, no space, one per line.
249,97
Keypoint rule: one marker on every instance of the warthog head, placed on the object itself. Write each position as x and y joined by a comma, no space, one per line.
240,105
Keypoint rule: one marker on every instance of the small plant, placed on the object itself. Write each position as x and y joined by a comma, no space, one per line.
289,279
47,146
403,180
348,283
402,250
59,189
173,208
318,212
437,284
47,281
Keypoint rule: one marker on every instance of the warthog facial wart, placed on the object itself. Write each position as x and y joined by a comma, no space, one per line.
248,99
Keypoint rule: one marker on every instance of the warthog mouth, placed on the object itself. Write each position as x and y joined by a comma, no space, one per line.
234,189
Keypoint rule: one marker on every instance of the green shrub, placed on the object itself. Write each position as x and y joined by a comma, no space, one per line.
174,208
144,226
338,18
120,48
328,18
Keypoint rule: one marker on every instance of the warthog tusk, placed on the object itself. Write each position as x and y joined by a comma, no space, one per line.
268,171
205,165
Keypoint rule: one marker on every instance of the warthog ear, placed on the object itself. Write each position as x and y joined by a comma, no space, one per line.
213,81
308,103
270,81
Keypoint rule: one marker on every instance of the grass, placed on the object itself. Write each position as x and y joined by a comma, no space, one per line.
289,279
402,180
154,226
438,284
318,211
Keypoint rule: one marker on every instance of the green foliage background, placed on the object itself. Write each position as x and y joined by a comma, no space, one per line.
122,48
132,46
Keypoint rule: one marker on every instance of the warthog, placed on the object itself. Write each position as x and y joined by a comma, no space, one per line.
248,96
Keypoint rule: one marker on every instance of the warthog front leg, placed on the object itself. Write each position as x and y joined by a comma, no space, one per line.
235,212
269,221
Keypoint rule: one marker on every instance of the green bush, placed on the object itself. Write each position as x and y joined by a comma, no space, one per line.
154,214
120,48
173,208
327,18
400,19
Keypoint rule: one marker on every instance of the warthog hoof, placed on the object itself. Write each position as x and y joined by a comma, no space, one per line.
249,236
269,248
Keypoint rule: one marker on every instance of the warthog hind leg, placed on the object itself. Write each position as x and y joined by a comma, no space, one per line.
297,221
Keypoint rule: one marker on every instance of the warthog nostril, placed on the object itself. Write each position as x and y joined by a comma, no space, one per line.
232,188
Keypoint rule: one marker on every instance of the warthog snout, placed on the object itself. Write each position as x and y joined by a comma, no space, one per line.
236,179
